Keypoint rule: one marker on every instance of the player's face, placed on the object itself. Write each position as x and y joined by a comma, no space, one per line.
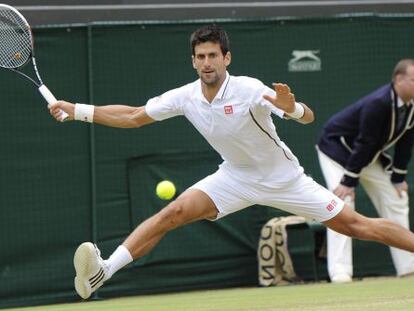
210,63
405,84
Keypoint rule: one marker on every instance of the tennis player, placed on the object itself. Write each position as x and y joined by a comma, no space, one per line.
234,116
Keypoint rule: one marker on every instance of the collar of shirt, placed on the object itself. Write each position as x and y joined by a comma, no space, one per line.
198,94
400,102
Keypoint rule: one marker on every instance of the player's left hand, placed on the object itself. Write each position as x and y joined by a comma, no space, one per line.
284,100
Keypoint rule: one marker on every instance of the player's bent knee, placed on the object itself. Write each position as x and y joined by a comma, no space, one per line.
175,214
172,215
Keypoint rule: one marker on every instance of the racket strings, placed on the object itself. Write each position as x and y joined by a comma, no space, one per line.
15,39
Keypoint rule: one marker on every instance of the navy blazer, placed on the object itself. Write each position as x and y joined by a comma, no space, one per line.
362,132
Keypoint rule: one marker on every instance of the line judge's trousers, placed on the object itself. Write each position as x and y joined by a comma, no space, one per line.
377,184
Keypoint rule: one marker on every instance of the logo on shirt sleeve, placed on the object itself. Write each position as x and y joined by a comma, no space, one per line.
228,109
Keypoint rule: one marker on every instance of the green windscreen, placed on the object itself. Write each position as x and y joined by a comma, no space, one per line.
63,184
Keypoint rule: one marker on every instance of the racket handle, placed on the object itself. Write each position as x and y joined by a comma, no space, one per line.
47,94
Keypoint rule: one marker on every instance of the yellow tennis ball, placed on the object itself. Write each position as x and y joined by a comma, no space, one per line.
165,190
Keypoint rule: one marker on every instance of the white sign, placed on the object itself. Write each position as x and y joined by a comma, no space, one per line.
305,61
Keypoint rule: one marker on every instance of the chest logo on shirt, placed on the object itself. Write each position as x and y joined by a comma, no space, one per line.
228,109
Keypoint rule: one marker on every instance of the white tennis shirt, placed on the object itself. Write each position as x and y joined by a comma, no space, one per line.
237,124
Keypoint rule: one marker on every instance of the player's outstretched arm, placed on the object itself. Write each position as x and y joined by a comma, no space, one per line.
121,116
285,100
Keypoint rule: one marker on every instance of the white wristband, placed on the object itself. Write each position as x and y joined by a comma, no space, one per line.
298,113
84,112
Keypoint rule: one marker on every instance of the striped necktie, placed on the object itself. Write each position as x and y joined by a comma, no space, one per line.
402,112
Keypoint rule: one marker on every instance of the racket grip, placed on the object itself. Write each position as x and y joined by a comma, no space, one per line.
51,99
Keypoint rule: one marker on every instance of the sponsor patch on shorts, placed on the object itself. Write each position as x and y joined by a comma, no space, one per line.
331,205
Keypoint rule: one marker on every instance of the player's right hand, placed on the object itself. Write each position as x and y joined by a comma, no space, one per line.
61,105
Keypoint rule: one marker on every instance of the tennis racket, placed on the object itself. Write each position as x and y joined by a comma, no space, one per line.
17,49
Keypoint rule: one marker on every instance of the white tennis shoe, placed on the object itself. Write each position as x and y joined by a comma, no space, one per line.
341,278
91,271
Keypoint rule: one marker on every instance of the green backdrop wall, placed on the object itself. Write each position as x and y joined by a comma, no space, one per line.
62,184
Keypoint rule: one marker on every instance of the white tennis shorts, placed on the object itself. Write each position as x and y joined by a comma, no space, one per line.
302,196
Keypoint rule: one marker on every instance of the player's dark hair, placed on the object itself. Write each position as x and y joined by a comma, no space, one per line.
211,33
401,67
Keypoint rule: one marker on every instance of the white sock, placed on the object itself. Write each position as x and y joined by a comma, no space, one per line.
119,259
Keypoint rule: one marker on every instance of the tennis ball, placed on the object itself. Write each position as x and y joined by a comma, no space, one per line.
165,190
